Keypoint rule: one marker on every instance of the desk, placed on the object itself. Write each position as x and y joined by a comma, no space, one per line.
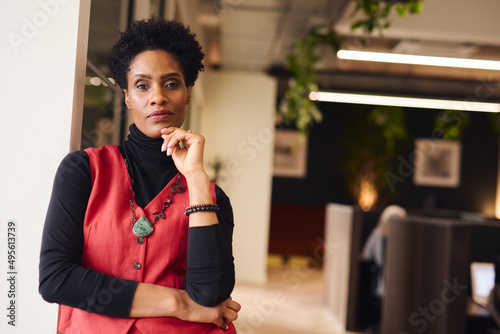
427,272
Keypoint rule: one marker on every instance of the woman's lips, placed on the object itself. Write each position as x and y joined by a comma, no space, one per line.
160,115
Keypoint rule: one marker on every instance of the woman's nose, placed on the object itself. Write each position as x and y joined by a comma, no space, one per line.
158,96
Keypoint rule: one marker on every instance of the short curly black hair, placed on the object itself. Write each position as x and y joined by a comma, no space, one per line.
157,34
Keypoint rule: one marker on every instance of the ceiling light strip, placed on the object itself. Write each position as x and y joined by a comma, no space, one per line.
419,60
380,100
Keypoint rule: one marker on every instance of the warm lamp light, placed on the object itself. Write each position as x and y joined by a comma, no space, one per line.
367,195
381,100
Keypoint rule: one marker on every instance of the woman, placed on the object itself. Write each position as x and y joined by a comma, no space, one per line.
137,239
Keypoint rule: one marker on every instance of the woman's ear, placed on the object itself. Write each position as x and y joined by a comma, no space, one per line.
127,101
188,98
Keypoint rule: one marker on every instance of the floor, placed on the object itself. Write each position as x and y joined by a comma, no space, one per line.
291,302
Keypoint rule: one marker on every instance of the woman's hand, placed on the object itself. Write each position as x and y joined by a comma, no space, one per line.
189,159
189,162
218,315
151,300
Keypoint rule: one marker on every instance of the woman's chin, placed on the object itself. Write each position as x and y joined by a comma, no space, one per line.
154,130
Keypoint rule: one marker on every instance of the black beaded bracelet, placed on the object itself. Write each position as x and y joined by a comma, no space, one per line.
201,207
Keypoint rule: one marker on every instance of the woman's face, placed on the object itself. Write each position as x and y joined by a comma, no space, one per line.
156,92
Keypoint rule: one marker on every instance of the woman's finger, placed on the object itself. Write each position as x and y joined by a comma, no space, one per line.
171,142
169,130
177,136
223,326
234,305
230,315
231,310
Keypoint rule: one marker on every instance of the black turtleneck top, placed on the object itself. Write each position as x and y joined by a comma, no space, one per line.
210,268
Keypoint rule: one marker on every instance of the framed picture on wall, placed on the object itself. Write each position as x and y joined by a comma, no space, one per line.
437,163
290,154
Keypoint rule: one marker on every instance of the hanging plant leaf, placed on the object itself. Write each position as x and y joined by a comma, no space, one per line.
377,13
371,143
357,25
401,9
450,124
296,108
415,7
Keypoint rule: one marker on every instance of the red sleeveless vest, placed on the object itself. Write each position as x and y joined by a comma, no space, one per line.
110,247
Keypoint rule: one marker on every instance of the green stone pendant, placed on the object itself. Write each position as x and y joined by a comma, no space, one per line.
142,227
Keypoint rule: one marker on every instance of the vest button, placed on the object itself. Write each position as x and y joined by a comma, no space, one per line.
136,265
140,240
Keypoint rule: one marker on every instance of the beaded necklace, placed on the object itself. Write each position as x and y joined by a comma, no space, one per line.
143,227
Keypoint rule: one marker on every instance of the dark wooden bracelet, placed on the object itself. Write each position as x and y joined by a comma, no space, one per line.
201,207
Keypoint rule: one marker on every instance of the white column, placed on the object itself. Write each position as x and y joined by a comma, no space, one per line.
237,120
142,9
44,48
170,8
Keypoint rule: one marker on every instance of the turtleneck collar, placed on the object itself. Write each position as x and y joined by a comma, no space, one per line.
142,148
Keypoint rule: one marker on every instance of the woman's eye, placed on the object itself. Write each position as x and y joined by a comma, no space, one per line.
141,86
171,84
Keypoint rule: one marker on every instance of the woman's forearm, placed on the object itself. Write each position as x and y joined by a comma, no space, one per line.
152,300
158,301
210,269
210,273
199,193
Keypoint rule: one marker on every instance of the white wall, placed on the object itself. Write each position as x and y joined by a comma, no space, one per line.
43,56
237,122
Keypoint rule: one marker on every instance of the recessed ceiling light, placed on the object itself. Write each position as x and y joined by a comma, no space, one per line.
419,60
404,101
